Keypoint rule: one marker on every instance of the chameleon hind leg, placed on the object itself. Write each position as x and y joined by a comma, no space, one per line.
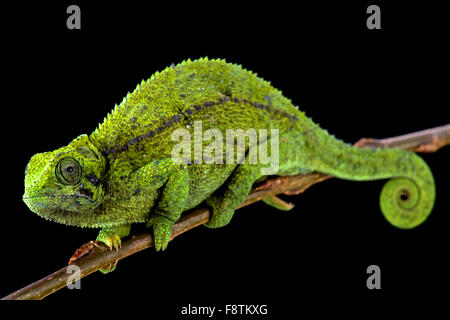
225,200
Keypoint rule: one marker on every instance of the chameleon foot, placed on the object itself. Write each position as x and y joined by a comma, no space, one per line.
221,214
162,230
112,241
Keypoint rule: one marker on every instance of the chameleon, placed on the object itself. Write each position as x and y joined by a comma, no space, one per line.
124,172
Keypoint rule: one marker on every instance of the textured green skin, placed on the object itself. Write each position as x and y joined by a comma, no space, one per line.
128,176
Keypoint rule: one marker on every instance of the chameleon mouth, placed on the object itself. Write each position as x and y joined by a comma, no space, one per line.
59,196
65,209
53,204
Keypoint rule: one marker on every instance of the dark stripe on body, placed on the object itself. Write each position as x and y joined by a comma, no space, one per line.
189,111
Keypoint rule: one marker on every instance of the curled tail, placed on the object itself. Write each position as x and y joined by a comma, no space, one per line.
406,199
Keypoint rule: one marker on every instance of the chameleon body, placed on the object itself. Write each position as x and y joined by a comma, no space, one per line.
124,172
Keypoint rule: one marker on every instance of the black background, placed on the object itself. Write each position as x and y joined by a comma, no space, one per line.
353,81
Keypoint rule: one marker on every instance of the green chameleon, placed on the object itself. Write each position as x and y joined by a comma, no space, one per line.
124,171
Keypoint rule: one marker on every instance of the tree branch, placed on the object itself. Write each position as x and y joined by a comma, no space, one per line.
94,256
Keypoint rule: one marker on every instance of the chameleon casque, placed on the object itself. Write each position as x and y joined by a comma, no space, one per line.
123,172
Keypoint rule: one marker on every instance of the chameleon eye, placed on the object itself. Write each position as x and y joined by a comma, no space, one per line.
68,171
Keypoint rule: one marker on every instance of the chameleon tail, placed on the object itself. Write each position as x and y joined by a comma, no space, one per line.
406,199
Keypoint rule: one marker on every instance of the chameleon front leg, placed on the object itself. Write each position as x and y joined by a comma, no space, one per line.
171,177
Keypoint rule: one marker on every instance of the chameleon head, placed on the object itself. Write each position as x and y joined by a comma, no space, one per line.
65,185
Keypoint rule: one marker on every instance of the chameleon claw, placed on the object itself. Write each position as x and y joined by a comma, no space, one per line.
110,239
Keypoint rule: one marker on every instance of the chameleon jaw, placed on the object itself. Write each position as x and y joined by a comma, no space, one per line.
66,209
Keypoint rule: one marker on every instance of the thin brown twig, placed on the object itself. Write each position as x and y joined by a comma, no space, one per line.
94,257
